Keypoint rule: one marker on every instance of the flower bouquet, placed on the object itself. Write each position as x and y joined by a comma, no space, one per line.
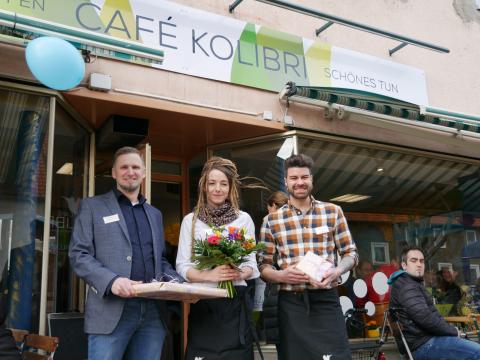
224,246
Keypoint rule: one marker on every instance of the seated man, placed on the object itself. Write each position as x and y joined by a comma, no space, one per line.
427,333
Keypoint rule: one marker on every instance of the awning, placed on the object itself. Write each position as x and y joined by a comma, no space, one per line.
339,102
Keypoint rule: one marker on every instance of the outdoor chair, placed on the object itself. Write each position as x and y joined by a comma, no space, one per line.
396,328
19,336
39,347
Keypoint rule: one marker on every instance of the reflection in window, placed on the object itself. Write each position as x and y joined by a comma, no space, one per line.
391,198
262,161
380,253
470,236
23,149
68,188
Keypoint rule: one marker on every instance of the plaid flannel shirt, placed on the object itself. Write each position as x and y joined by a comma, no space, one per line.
289,234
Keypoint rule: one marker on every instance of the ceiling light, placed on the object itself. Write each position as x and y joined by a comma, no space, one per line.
380,169
66,169
350,198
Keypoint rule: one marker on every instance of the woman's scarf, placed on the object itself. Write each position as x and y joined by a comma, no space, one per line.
219,216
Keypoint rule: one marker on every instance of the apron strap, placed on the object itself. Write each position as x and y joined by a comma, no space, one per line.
250,325
306,300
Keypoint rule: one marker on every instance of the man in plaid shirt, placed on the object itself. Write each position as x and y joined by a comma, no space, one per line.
310,317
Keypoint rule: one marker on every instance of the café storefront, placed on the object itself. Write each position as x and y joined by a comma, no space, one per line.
403,172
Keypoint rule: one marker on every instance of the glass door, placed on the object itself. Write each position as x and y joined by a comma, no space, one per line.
168,194
167,197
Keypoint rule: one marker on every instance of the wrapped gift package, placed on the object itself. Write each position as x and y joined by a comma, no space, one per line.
177,291
314,266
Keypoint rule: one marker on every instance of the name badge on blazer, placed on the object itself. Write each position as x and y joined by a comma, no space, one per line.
111,218
321,230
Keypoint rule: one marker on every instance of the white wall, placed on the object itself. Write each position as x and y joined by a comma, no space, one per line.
453,79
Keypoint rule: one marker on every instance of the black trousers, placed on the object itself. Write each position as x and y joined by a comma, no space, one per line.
312,326
218,329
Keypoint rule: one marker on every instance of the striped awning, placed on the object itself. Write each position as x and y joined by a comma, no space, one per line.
380,105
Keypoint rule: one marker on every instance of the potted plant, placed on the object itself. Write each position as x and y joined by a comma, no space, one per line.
372,329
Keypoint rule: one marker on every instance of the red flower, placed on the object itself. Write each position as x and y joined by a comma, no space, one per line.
214,239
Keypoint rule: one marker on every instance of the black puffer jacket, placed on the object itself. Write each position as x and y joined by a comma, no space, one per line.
418,315
270,316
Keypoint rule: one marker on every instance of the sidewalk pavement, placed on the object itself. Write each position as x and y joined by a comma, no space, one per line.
270,353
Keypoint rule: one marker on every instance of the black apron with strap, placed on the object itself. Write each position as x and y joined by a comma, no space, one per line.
220,329
312,326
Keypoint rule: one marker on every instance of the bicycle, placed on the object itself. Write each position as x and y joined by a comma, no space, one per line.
367,349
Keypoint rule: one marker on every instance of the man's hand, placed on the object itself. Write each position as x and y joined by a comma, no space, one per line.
330,275
291,275
123,287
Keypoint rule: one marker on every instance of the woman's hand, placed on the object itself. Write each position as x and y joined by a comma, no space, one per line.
222,273
245,273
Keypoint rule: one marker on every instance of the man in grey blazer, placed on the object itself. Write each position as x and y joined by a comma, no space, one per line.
118,241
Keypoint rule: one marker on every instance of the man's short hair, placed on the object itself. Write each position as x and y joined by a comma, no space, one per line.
407,249
126,150
300,161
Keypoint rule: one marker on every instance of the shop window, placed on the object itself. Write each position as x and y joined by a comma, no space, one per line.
416,199
470,236
71,143
380,254
442,266
166,167
474,272
439,238
23,159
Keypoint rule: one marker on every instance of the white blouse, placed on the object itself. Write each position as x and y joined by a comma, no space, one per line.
184,254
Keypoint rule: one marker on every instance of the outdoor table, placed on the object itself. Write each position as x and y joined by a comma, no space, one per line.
467,323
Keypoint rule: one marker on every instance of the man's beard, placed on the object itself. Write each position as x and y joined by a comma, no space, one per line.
302,197
129,188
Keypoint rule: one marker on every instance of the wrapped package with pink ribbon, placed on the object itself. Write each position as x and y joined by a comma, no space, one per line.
314,266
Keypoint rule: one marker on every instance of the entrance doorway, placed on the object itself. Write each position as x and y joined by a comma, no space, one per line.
167,197
168,193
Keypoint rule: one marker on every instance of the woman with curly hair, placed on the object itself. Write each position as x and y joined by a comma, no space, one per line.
218,328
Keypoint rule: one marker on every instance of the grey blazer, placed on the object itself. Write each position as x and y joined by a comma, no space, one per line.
100,249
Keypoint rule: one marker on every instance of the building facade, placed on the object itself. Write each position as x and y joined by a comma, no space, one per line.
391,135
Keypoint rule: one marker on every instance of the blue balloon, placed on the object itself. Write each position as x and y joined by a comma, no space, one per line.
55,62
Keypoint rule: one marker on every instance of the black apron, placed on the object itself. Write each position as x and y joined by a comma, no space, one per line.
218,329
312,326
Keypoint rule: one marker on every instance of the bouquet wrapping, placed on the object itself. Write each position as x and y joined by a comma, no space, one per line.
224,246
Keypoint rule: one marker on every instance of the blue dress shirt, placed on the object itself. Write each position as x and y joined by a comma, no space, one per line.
143,261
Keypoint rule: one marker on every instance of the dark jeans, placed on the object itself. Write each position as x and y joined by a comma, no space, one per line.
138,335
448,348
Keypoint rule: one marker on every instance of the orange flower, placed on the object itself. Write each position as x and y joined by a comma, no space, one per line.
248,245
